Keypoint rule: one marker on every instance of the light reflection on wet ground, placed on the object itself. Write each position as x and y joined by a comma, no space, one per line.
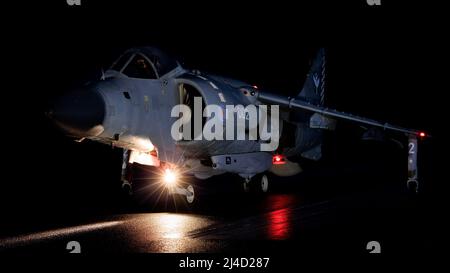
279,221
228,226
51,234
175,232
164,232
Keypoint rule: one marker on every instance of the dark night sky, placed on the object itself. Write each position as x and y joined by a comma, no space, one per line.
380,66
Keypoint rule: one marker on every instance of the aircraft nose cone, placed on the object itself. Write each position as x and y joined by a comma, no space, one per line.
79,113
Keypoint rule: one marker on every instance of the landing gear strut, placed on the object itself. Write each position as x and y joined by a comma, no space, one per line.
126,173
413,182
246,185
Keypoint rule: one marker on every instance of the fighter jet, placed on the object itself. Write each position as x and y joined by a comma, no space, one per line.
187,123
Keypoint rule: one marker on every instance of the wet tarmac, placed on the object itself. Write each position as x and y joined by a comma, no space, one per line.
307,219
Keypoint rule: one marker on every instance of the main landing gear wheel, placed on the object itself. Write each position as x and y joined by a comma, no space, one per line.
258,184
185,193
264,183
190,194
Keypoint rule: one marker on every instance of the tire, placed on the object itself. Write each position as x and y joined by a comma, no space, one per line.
188,202
190,199
412,187
264,183
259,184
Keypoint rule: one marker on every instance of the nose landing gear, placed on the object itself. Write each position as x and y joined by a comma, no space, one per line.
187,192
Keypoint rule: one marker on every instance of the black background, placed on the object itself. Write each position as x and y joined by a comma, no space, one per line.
382,64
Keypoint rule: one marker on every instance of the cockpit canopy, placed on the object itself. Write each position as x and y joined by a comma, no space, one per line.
144,63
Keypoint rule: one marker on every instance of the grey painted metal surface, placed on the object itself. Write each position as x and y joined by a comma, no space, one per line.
144,84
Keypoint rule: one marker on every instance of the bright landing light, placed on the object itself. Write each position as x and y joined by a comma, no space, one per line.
170,177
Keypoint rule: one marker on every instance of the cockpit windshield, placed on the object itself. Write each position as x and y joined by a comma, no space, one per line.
144,63
139,67
120,63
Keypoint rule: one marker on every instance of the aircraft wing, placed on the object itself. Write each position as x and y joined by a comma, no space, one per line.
413,135
296,103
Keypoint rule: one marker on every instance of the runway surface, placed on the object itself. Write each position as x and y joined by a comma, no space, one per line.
307,219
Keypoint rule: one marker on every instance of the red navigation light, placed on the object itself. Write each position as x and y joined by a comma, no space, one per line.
278,159
422,134
254,86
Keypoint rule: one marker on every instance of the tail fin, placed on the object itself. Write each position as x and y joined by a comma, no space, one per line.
313,89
